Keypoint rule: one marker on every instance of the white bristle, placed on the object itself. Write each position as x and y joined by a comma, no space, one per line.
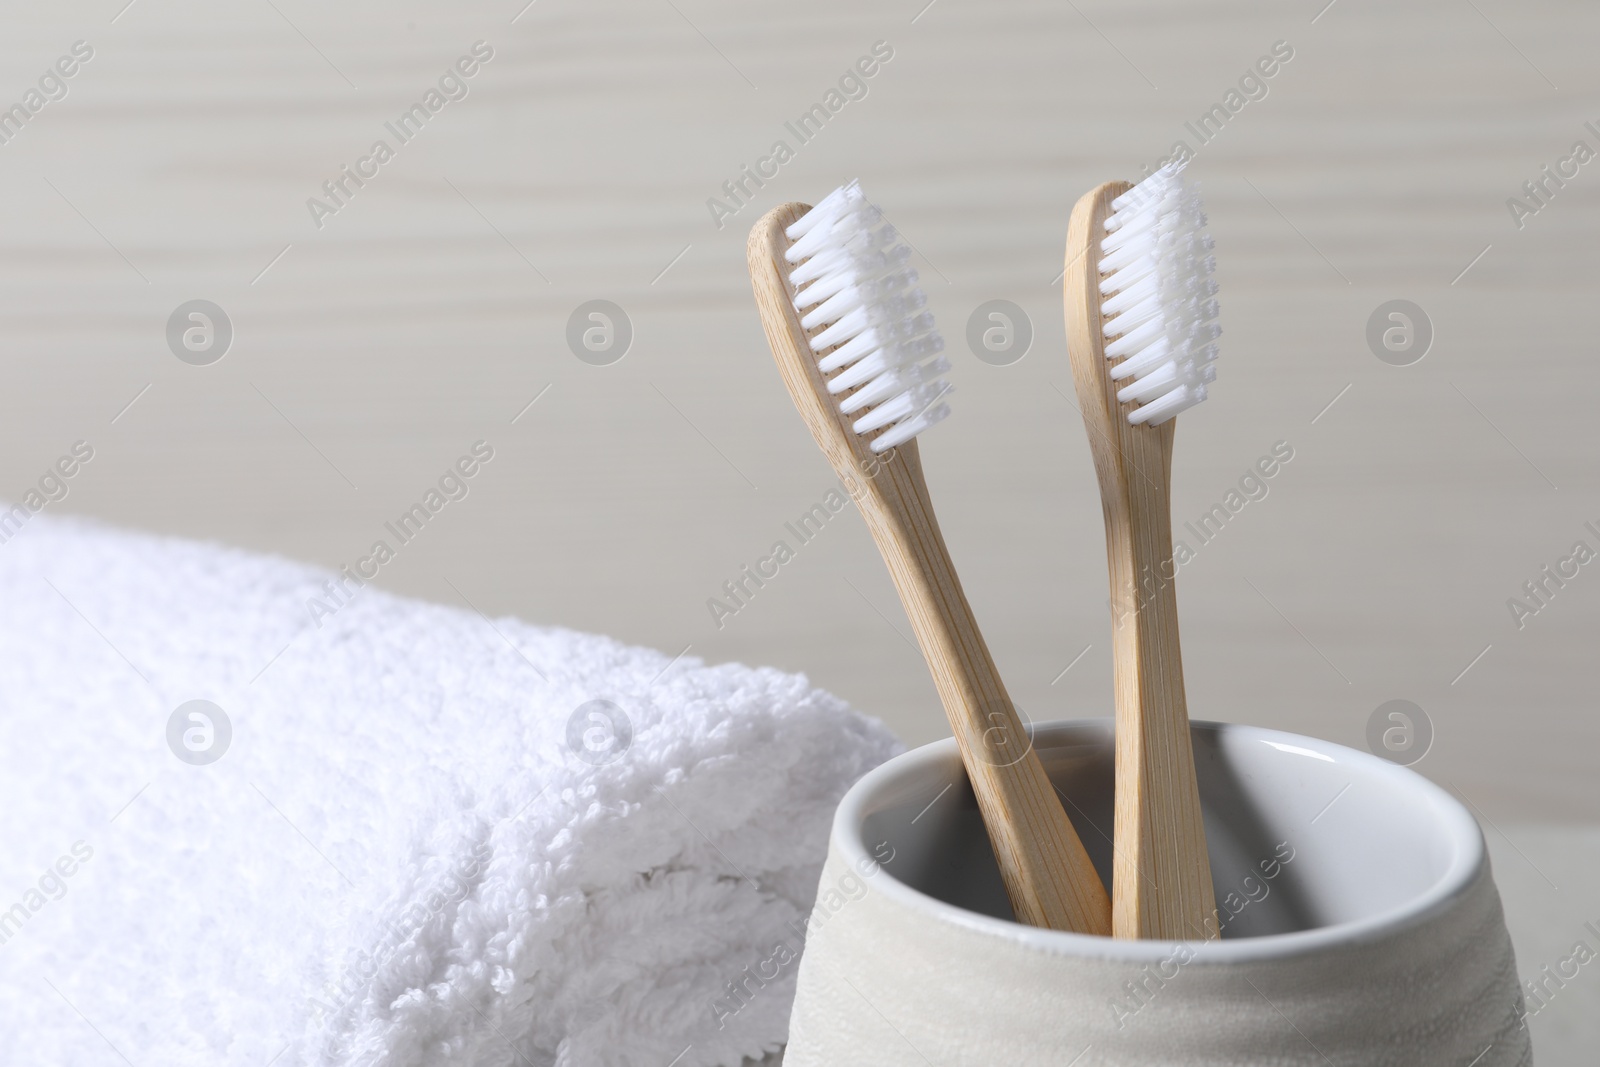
1158,296
852,279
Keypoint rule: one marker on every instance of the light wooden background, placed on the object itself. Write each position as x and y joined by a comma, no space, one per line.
430,310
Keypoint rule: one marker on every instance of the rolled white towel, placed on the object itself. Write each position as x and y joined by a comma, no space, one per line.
410,852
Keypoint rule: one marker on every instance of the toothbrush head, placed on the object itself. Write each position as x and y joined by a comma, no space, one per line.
865,319
1158,299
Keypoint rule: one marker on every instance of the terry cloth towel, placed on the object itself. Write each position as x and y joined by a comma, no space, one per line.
424,842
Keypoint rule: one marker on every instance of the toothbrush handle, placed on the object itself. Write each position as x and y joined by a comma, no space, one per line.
1047,872
1161,875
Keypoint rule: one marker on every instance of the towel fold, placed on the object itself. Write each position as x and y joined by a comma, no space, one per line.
393,833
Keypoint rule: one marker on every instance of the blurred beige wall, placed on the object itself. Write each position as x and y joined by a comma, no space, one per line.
374,344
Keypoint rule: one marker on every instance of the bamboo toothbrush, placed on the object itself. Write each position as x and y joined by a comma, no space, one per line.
1141,338
862,366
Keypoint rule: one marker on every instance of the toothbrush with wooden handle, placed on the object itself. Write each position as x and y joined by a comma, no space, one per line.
1141,338
862,367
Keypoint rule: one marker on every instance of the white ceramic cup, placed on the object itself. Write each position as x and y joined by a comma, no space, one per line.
1361,924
